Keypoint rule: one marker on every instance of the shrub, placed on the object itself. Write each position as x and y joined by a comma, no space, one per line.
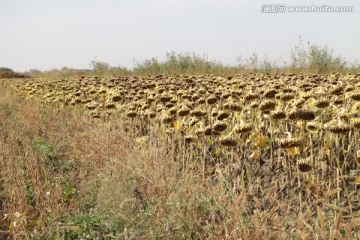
5,69
101,68
179,63
315,59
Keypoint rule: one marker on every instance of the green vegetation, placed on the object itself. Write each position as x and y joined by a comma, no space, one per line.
314,58
5,69
179,63
100,68
304,58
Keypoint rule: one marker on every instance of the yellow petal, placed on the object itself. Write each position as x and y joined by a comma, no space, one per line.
355,107
254,135
177,126
238,116
261,141
293,151
310,100
334,111
357,180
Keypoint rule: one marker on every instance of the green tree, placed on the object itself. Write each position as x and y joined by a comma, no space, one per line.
6,69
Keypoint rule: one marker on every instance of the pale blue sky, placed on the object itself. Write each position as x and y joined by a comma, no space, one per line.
47,34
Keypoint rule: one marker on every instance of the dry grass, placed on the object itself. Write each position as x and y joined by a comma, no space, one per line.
11,74
66,174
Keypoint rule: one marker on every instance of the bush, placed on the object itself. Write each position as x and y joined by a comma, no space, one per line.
5,69
101,68
179,63
315,58
255,64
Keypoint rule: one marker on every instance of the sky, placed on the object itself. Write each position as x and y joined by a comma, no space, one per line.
49,34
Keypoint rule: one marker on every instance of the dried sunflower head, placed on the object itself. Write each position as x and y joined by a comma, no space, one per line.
193,121
198,113
251,96
277,115
208,131
254,105
287,97
267,105
173,110
337,90
190,138
270,93
243,128
291,142
165,98
116,98
169,105
228,141
131,114
305,114
110,105
151,114
223,115
95,115
312,127
339,128
183,111
214,113
304,165
322,103
236,107
338,101
201,101
220,126
166,119
292,115
355,122
211,100
355,96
